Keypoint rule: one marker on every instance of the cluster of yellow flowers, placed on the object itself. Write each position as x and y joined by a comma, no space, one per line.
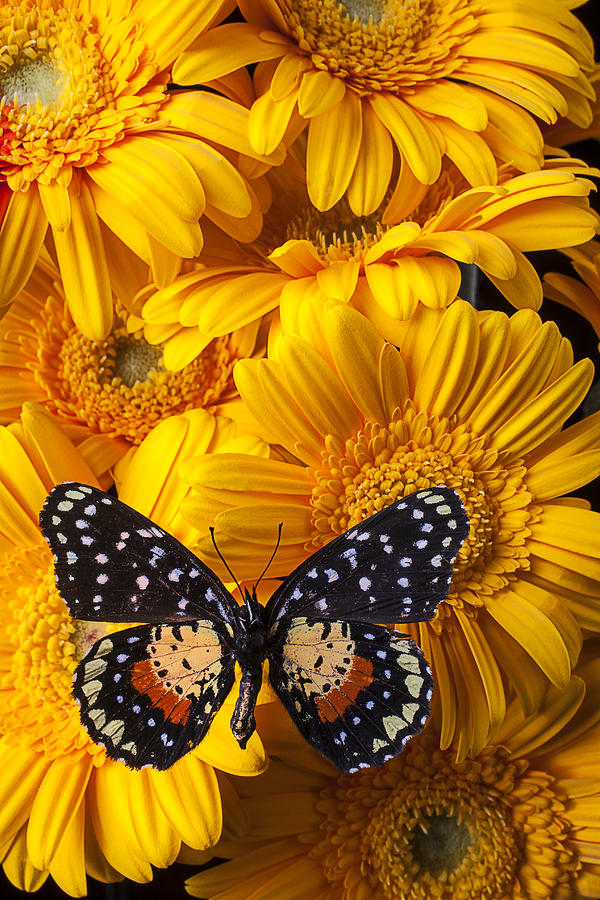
230,269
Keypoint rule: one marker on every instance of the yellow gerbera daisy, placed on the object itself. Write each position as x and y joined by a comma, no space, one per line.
405,253
583,297
88,131
120,387
65,809
426,79
516,822
475,401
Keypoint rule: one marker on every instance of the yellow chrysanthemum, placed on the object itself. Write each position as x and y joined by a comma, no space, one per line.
422,79
475,401
517,822
120,387
405,253
582,296
65,809
89,132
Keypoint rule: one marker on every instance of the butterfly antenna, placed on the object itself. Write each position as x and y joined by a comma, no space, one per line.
223,560
264,571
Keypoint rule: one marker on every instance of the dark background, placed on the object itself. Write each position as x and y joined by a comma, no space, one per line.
169,883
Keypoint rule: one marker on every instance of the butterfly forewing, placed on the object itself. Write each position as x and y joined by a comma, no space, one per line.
356,692
395,567
114,565
148,694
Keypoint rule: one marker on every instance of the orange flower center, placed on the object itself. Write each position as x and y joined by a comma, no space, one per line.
381,45
63,88
426,826
119,386
381,464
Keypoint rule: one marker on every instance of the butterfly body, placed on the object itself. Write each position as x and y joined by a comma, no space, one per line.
355,689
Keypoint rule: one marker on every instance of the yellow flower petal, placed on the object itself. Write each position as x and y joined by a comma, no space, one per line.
68,866
114,823
469,152
551,477
326,405
355,349
338,281
452,101
57,205
491,681
158,839
169,27
573,530
83,267
441,387
373,168
56,804
21,237
237,45
536,633
188,794
557,710
546,413
18,868
318,93
334,139
413,138
269,120
521,380
23,773
218,120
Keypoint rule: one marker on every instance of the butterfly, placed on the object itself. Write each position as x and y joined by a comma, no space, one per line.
356,690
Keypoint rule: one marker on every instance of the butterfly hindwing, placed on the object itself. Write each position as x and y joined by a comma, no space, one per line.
148,694
355,691
395,566
114,565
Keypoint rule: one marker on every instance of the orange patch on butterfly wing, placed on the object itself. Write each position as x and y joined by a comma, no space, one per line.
172,705
334,704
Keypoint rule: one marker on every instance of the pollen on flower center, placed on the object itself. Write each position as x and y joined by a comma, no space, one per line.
36,79
380,45
380,464
119,386
134,360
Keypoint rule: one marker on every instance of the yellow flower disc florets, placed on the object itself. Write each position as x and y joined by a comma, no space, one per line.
38,657
381,45
382,463
428,827
64,90
119,386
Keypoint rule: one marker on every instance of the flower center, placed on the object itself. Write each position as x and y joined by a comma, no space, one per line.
426,826
59,84
336,233
38,657
119,386
135,359
380,44
37,79
441,843
381,464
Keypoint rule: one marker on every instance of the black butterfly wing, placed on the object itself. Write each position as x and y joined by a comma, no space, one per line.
356,692
114,565
395,567
148,694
